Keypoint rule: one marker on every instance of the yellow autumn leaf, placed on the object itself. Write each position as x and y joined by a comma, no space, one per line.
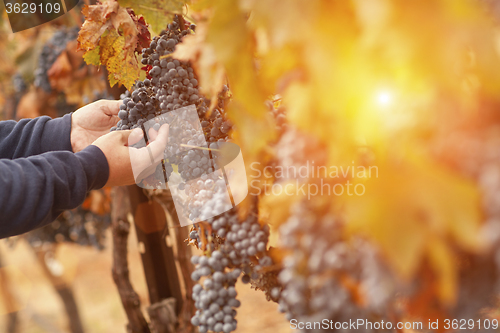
111,35
92,57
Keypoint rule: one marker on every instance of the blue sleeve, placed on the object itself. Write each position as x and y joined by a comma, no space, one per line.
29,137
36,189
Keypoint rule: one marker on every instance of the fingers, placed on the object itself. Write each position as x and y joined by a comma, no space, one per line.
158,145
152,134
163,133
135,136
145,160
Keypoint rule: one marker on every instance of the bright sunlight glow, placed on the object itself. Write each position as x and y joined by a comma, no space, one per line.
384,98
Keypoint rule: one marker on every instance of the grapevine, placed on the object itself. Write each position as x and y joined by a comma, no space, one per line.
231,247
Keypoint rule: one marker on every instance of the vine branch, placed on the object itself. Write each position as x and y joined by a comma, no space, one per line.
120,229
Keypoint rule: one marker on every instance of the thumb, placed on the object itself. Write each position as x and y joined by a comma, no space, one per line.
110,107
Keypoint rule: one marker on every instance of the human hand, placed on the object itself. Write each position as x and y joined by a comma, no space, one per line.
128,165
93,121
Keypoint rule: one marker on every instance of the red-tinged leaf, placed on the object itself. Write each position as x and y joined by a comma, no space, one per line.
144,36
96,23
117,33
60,72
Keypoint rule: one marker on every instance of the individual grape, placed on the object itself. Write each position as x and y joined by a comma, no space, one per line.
170,43
123,114
245,279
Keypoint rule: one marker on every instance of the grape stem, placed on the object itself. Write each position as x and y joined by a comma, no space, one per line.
196,147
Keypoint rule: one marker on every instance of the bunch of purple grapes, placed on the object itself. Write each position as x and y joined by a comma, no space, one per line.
80,226
51,50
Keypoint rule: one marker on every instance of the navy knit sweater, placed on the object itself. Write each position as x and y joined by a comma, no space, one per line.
40,176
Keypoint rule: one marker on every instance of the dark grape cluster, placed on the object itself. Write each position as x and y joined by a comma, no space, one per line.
310,286
232,248
215,298
474,153
171,85
19,84
80,226
316,259
317,256
137,107
51,50
241,241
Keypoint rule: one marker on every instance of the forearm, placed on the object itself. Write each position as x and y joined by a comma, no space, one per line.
37,189
29,137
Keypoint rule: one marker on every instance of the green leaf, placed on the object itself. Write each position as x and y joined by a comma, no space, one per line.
158,13
93,57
